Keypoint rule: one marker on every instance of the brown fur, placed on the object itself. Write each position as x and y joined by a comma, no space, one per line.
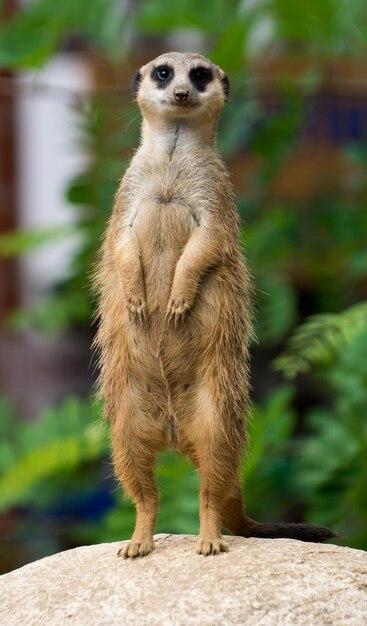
175,312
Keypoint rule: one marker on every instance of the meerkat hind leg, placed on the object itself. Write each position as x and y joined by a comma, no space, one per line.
210,540
217,469
134,462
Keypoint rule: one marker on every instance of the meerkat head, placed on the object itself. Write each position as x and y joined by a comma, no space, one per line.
180,85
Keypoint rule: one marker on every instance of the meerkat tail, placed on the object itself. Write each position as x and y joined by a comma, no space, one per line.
278,530
236,521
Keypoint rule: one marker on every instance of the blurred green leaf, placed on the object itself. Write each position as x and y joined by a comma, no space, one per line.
267,470
332,467
31,37
321,339
230,45
212,17
53,314
24,241
276,306
62,439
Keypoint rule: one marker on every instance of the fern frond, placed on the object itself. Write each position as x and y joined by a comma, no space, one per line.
41,463
62,439
321,339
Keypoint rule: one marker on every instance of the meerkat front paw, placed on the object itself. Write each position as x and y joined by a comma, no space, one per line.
211,546
137,309
177,309
134,549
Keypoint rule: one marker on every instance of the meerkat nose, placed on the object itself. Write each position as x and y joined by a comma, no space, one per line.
181,95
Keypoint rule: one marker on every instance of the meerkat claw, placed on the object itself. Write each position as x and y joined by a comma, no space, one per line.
135,549
215,546
137,310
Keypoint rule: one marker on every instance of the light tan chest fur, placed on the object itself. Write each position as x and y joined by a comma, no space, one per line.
164,206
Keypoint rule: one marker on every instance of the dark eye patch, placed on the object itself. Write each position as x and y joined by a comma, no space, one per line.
201,77
162,75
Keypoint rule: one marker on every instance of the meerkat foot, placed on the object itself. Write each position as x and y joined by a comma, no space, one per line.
211,546
134,549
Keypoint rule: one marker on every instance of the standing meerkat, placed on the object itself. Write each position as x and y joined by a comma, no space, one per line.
175,311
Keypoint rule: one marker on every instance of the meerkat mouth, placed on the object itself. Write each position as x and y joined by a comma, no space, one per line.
186,104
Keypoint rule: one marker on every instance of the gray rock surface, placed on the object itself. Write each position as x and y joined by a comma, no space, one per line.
259,581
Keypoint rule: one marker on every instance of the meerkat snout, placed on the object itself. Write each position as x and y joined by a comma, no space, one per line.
181,95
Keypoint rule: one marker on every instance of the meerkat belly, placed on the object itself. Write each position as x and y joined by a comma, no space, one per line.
163,225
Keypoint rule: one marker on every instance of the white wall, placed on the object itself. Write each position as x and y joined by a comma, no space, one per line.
49,156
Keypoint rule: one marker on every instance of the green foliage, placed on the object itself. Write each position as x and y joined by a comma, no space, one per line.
26,241
283,243
332,469
61,440
36,31
54,313
267,470
239,115
321,339
276,307
277,136
330,26
213,18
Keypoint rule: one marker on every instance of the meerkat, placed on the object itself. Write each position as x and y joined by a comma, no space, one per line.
174,309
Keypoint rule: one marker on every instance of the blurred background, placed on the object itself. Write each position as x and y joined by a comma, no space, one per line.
294,135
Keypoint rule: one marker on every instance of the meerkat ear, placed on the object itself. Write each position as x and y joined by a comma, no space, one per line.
136,83
226,86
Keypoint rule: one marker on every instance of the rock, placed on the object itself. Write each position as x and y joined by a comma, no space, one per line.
259,581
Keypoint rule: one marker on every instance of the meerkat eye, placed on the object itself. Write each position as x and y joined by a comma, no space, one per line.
201,77
162,75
